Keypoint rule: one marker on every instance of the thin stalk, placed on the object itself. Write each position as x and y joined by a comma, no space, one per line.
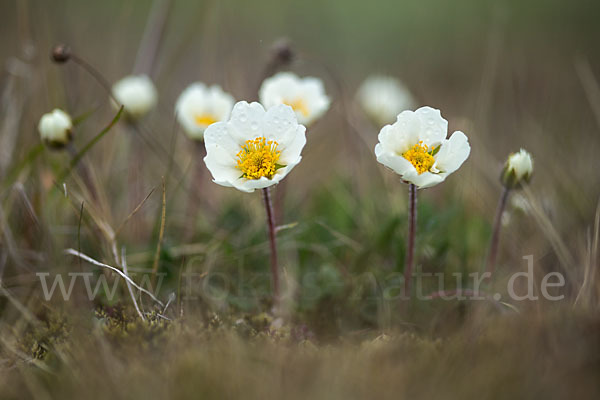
412,230
96,75
495,240
271,225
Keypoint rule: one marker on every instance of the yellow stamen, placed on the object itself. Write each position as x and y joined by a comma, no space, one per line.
298,105
421,157
205,119
258,158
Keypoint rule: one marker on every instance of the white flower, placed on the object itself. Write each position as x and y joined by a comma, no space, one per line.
55,128
416,148
383,98
305,95
518,169
255,148
136,93
199,106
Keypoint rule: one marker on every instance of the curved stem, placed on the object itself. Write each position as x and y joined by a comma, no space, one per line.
271,225
412,230
495,240
96,75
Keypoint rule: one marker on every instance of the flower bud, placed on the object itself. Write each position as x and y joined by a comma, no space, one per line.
283,52
61,53
517,170
56,128
137,94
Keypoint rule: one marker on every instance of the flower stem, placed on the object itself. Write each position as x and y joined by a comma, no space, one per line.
412,230
271,226
495,240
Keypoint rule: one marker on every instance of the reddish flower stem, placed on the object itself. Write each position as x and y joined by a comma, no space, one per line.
412,230
271,225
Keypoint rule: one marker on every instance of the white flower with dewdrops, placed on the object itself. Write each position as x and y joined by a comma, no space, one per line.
136,93
416,148
518,169
55,128
305,95
383,98
255,149
199,106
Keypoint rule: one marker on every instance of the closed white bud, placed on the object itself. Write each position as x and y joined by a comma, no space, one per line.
137,94
517,170
55,128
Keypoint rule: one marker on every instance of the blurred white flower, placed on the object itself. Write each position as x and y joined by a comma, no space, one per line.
518,169
199,106
255,149
305,95
416,148
136,93
55,128
383,98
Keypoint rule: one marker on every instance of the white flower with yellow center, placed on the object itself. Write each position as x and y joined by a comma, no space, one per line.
137,94
199,106
305,95
255,149
55,128
416,148
383,98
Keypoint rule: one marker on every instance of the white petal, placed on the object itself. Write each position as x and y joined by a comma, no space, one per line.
290,153
249,185
398,164
453,153
246,120
424,180
433,127
402,134
279,124
220,136
222,170
288,88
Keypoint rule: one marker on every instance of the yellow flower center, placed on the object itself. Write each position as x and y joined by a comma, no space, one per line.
258,158
298,105
421,157
205,119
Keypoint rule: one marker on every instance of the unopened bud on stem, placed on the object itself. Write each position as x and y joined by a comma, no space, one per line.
61,53
517,170
282,52
56,129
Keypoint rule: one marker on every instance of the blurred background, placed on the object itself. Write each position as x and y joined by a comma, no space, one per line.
508,73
